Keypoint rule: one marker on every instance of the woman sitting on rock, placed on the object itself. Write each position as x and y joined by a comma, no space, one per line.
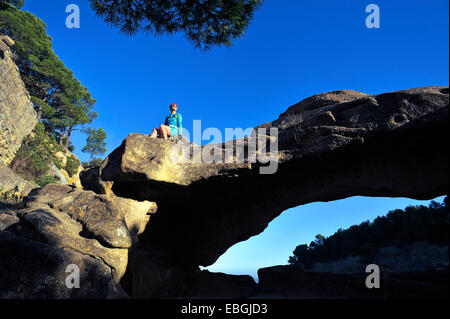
172,126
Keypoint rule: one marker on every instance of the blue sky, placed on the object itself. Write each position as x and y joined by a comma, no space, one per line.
293,49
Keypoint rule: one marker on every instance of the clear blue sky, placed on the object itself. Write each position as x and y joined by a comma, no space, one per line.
293,49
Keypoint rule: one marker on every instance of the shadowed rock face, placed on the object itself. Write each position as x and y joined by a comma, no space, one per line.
156,275
292,282
331,146
60,226
34,269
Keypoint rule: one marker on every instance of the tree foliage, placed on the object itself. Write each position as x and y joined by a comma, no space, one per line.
95,142
206,23
38,153
48,179
17,3
72,165
96,161
61,101
398,227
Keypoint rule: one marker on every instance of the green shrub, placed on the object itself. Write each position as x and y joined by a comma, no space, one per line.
36,154
72,165
58,162
10,198
96,162
48,179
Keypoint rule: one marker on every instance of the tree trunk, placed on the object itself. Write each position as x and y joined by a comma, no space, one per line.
69,132
61,137
39,114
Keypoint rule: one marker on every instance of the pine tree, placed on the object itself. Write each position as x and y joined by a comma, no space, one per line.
17,3
95,142
206,23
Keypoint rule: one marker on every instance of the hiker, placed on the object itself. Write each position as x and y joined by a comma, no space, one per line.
172,126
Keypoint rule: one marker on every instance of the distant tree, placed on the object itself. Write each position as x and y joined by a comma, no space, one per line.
206,23
96,162
73,107
299,255
398,227
319,240
435,205
95,142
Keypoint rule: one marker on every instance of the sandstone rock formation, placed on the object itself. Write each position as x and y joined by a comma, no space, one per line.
147,219
63,156
35,269
331,146
11,182
17,119
416,258
60,226
292,282
17,115
157,275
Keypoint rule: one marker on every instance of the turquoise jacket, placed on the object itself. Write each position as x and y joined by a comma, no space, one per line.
175,123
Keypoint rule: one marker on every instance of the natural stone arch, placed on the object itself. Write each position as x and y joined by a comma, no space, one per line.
382,145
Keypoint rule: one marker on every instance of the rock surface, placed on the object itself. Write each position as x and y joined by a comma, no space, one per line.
9,181
34,269
100,219
146,219
62,225
291,282
417,258
156,275
17,115
67,179
330,146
